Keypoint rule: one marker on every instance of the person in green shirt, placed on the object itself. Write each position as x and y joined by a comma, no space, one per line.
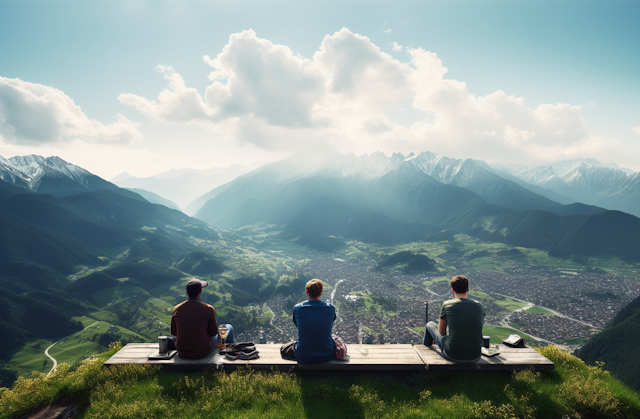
464,318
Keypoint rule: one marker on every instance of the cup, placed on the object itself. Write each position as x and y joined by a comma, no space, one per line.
485,341
162,344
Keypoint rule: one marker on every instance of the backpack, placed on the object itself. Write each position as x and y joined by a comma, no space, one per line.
341,348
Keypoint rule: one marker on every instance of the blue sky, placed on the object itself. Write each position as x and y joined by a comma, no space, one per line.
508,81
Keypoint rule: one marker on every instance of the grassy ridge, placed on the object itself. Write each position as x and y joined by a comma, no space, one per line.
133,391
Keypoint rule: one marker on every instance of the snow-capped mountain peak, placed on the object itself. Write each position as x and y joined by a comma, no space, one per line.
49,175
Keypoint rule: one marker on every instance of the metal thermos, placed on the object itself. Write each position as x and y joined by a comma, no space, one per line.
162,344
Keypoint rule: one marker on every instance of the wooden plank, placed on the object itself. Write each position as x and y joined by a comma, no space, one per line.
366,357
507,360
136,353
376,357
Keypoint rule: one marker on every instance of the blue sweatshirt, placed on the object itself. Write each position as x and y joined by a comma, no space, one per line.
314,319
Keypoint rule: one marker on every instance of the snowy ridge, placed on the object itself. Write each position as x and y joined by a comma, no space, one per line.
62,178
10,173
585,180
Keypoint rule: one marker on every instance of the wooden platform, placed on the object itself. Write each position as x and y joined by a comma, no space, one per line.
509,359
360,358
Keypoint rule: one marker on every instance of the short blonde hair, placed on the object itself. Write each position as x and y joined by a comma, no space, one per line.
314,288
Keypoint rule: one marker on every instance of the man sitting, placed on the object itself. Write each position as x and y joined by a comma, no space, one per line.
195,325
465,319
314,319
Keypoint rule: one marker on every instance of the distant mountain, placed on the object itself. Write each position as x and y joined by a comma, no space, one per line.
314,192
50,175
618,345
587,181
479,177
155,198
326,217
184,185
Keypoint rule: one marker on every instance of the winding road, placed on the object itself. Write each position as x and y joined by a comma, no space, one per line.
272,319
335,287
46,351
564,316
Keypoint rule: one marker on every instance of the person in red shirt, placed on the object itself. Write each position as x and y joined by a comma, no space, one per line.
195,326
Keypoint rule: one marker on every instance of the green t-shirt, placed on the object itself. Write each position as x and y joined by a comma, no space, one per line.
465,318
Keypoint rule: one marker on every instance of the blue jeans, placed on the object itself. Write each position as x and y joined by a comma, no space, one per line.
171,341
431,334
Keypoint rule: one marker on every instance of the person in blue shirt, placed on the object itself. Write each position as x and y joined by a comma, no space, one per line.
314,320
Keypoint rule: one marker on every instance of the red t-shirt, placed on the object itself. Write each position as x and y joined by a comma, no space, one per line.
194,324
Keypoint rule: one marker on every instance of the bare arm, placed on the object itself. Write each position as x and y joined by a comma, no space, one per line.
442,327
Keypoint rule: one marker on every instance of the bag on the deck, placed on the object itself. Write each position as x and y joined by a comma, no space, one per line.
287,351
341,348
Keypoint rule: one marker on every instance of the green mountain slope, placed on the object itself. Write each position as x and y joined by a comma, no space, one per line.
61,258
618,345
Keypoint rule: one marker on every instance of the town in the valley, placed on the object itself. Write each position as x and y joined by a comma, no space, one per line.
548,305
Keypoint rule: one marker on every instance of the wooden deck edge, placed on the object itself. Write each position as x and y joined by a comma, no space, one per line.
213,363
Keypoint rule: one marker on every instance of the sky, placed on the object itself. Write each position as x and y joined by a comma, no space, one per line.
147,86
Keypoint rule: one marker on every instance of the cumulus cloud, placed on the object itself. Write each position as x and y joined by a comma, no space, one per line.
397,47
351,95
388,30
34,114
636,130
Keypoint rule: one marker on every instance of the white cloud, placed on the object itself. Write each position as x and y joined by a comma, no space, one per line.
636,130
397,47
388,30
35,114
177,103
348,96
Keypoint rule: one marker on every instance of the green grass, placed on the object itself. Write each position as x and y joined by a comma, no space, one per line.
32,358
510,304
134,391
499,333
105,316
86,321
436,280
539,310
481,295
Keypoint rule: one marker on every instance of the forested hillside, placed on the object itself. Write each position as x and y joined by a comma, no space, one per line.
618,346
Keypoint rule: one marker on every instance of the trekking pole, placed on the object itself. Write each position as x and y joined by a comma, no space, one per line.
426,312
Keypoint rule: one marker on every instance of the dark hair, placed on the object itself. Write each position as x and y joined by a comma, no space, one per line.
193,290
314,288
460,284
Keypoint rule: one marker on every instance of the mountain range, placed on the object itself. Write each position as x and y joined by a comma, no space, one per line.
423,194
582,180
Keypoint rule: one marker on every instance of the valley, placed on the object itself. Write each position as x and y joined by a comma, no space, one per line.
542,298
83,259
